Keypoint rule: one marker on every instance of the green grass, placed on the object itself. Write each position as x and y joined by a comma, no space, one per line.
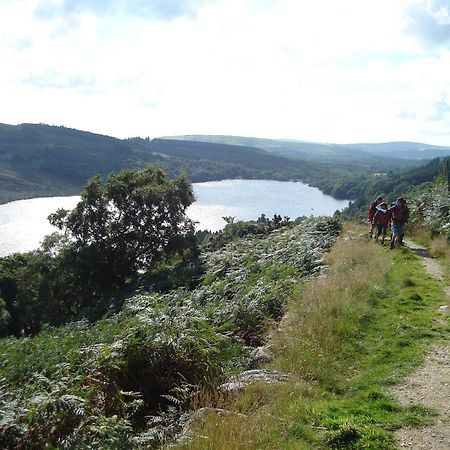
346,342
401,326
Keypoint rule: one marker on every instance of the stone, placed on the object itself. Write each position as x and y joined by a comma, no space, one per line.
247,377
259,356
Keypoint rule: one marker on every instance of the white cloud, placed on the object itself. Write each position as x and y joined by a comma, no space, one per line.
430,21
152,9
324,70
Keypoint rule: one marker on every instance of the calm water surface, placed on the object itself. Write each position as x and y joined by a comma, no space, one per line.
24,223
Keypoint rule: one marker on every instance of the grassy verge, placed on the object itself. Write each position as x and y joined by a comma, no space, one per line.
346,338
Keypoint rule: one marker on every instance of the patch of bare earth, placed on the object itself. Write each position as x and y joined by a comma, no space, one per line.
429,386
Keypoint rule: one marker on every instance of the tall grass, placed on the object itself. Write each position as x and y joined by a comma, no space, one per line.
440,248
321,334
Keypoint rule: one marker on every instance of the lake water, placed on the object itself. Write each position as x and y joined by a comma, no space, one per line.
24,223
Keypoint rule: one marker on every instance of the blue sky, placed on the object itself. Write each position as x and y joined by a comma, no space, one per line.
322,70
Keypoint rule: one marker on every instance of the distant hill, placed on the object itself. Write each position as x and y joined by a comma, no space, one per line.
289,148
42,160
404,150
313,150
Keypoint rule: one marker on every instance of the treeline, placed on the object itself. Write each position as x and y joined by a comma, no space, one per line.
365,187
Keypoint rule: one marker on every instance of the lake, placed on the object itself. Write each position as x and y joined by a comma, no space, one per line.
23,223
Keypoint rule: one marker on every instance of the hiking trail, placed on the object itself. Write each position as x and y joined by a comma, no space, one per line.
429,385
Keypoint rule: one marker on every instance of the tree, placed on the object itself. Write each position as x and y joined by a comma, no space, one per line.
21,282
120,227
5,319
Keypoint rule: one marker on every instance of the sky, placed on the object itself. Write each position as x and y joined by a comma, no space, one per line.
317,70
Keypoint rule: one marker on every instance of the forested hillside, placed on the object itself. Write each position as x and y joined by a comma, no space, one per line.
38,160
390,185
43,160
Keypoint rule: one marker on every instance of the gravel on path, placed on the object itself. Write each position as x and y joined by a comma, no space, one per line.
430,384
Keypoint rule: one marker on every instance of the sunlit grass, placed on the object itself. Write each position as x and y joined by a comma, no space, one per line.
322,332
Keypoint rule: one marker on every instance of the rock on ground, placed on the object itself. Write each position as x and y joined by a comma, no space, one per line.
256,375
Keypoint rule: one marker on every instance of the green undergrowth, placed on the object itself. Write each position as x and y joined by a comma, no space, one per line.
346,339
127,380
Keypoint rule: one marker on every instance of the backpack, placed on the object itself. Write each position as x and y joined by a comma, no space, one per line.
400,215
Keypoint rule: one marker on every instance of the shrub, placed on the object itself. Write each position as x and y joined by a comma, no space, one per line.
432,209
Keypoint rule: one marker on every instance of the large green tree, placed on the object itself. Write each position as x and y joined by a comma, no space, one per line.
127,223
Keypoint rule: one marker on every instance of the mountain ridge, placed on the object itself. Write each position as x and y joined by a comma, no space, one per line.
293,147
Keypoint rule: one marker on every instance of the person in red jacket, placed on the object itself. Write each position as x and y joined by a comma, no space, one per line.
372,210
400,215
381,220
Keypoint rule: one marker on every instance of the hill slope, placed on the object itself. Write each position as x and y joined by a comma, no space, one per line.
40,160
151,367
43,160
98,384
404,150
314,150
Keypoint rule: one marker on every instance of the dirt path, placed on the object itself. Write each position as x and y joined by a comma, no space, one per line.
430,384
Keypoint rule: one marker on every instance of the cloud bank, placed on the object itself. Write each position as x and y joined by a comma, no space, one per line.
430,22
330,71
151,9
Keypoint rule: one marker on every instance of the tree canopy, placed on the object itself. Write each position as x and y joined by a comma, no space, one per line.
134,217
120,227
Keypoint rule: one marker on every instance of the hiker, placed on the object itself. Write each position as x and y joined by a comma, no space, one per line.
372,210
400,215
381,220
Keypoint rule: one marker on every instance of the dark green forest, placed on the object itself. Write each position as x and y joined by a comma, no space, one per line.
43,160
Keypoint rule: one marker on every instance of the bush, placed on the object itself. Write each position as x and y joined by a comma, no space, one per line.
432,209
